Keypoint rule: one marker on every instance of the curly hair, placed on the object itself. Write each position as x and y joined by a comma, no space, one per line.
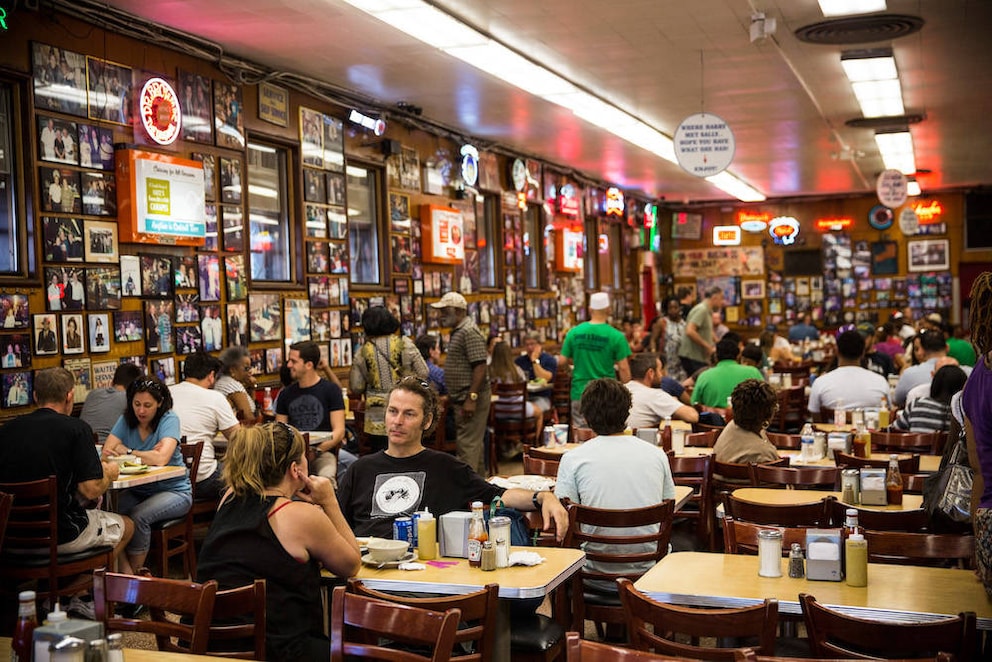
981,314
154,387
419,387
754,403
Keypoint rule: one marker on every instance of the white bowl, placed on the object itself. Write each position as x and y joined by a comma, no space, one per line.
383,550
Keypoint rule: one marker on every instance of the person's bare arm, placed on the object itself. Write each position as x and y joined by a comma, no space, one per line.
623,370
242,405
551,507
478,377
337,432
687,413
95,488
325,371
229,432
160,454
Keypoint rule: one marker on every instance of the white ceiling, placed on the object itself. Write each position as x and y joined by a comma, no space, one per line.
786,101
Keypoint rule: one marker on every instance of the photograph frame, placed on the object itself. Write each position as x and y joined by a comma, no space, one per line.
61,195
231,181
752,289
209,162
314,186
100,241
15,351
74,344
47,344
237,324
157,280
99,332
929,255
24,382
228,99
103,288
296,318
45,73
311,137
233,223
399,213
116,106
98,193
236,277
15,311
264,317
130,267
63,239
198,118
129,326
333,144
336,187
211,327
52,146
99,146
159,316
208,266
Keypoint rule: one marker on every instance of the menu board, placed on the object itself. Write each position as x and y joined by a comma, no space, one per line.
161,198
443,233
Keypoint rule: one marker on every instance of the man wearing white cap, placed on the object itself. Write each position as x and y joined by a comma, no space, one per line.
466,375
594,347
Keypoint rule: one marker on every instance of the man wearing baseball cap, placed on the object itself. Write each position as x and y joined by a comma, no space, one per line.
594,347
467,377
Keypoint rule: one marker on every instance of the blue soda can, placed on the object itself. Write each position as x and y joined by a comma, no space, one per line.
414,536
403,530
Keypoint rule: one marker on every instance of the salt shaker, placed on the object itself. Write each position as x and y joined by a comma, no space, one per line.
797,569
770,553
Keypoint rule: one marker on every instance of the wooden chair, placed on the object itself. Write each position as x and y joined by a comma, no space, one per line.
797,477
174,537
358,426
907,442
478,617
653,626
695,472
539,466
807,514
5,502
508,416
165,599
705,439
825,415
601,533
30,546
229,635
907,465
910,521
580,650
561,395
791,413
834,634
913,483
782,441
357,623
542,453
438,440
920,548
748,655
742,537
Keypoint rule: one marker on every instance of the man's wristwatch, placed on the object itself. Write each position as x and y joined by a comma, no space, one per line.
473,396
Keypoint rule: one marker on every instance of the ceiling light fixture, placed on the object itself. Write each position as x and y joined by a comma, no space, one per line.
850,7
913,188
446,33
896,148
875,81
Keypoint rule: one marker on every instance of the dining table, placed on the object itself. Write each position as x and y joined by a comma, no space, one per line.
133,654
901,593
770,496
454,576
153,475
928,463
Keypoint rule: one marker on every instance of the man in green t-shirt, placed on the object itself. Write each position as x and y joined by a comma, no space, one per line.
698,342
594,347
715,385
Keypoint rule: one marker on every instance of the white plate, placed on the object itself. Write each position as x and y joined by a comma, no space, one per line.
144,468
367,560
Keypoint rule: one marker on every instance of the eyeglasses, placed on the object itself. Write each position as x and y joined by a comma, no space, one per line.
409,381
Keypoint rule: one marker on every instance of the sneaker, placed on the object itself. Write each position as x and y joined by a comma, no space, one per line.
82,606
130,611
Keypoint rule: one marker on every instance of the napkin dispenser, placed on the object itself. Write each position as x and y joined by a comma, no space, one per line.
823,555
453,533
839,441
873,486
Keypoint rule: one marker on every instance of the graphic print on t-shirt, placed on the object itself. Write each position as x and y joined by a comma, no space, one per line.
306,412
397,493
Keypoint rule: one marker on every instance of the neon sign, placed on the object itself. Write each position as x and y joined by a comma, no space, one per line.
928,213
159,109
376,125
604,244
470,165
753,221
568,200
614,202
833,224
784,230
726,235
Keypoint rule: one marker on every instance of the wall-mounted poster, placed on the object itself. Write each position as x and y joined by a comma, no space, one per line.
59,79
687,226
723,261
99,332
884,258
265,317
312,137
229,122
730,285
333,144
109,90
100,241
63,239
442,234
194,99
929,255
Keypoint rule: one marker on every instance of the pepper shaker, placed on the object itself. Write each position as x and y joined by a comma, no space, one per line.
797,568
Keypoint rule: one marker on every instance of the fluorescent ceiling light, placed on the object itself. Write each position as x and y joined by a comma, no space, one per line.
913,188
879,98
897,151
446,33
859,69
735,187
849,7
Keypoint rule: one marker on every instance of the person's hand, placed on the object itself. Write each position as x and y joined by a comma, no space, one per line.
536,354
553,511
468,408
111,470
316,489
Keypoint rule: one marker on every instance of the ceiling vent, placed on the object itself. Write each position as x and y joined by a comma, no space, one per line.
860,29
885,122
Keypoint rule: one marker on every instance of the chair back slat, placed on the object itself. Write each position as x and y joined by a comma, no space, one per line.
580,650
911,521
920,548
907,465
742,537
797,477
807,514
237,629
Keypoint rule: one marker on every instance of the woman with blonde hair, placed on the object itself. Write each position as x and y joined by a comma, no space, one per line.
281,524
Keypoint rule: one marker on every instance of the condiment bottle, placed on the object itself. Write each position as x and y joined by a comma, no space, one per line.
856,557
840,415
115,647
797,568
850,528
426,535
893,482
488,556
770,553
27,621
883,414
476,535
267,400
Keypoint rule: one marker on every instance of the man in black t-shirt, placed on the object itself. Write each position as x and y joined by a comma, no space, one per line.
314,404
48,441
407,477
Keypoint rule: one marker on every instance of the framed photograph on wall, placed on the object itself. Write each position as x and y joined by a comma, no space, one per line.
17,391
99,332
230,181
237,324
60,190
273,360
333,144
297,317
158,327
57,140
212,328
229,124
753,289
236,276
129,326
108,91
209,268
16,351
209,162
194,95
130,275
314,189
156,276
399,213
103,288
14,311
59,79
63,239
210,223
96,147
335,189
99,193
929,255
46,340
100,242
233,221
72,334
265,317
312,137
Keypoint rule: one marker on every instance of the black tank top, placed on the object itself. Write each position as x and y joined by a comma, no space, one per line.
240,548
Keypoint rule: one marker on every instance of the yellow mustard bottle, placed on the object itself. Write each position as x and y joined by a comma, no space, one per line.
856,557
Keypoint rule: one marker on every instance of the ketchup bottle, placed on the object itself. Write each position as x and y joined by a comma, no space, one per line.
27,621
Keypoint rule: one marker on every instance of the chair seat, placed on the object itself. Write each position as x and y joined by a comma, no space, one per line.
169,523
535,633
601,599
41,560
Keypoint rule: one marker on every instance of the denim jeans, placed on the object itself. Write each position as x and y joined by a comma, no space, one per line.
146,508
211,487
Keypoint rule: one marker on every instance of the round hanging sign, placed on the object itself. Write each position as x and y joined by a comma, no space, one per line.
518,174
909,222
158,107
891,187
704,145
880,217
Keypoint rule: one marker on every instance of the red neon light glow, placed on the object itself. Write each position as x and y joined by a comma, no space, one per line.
749,216
928,213
833,224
